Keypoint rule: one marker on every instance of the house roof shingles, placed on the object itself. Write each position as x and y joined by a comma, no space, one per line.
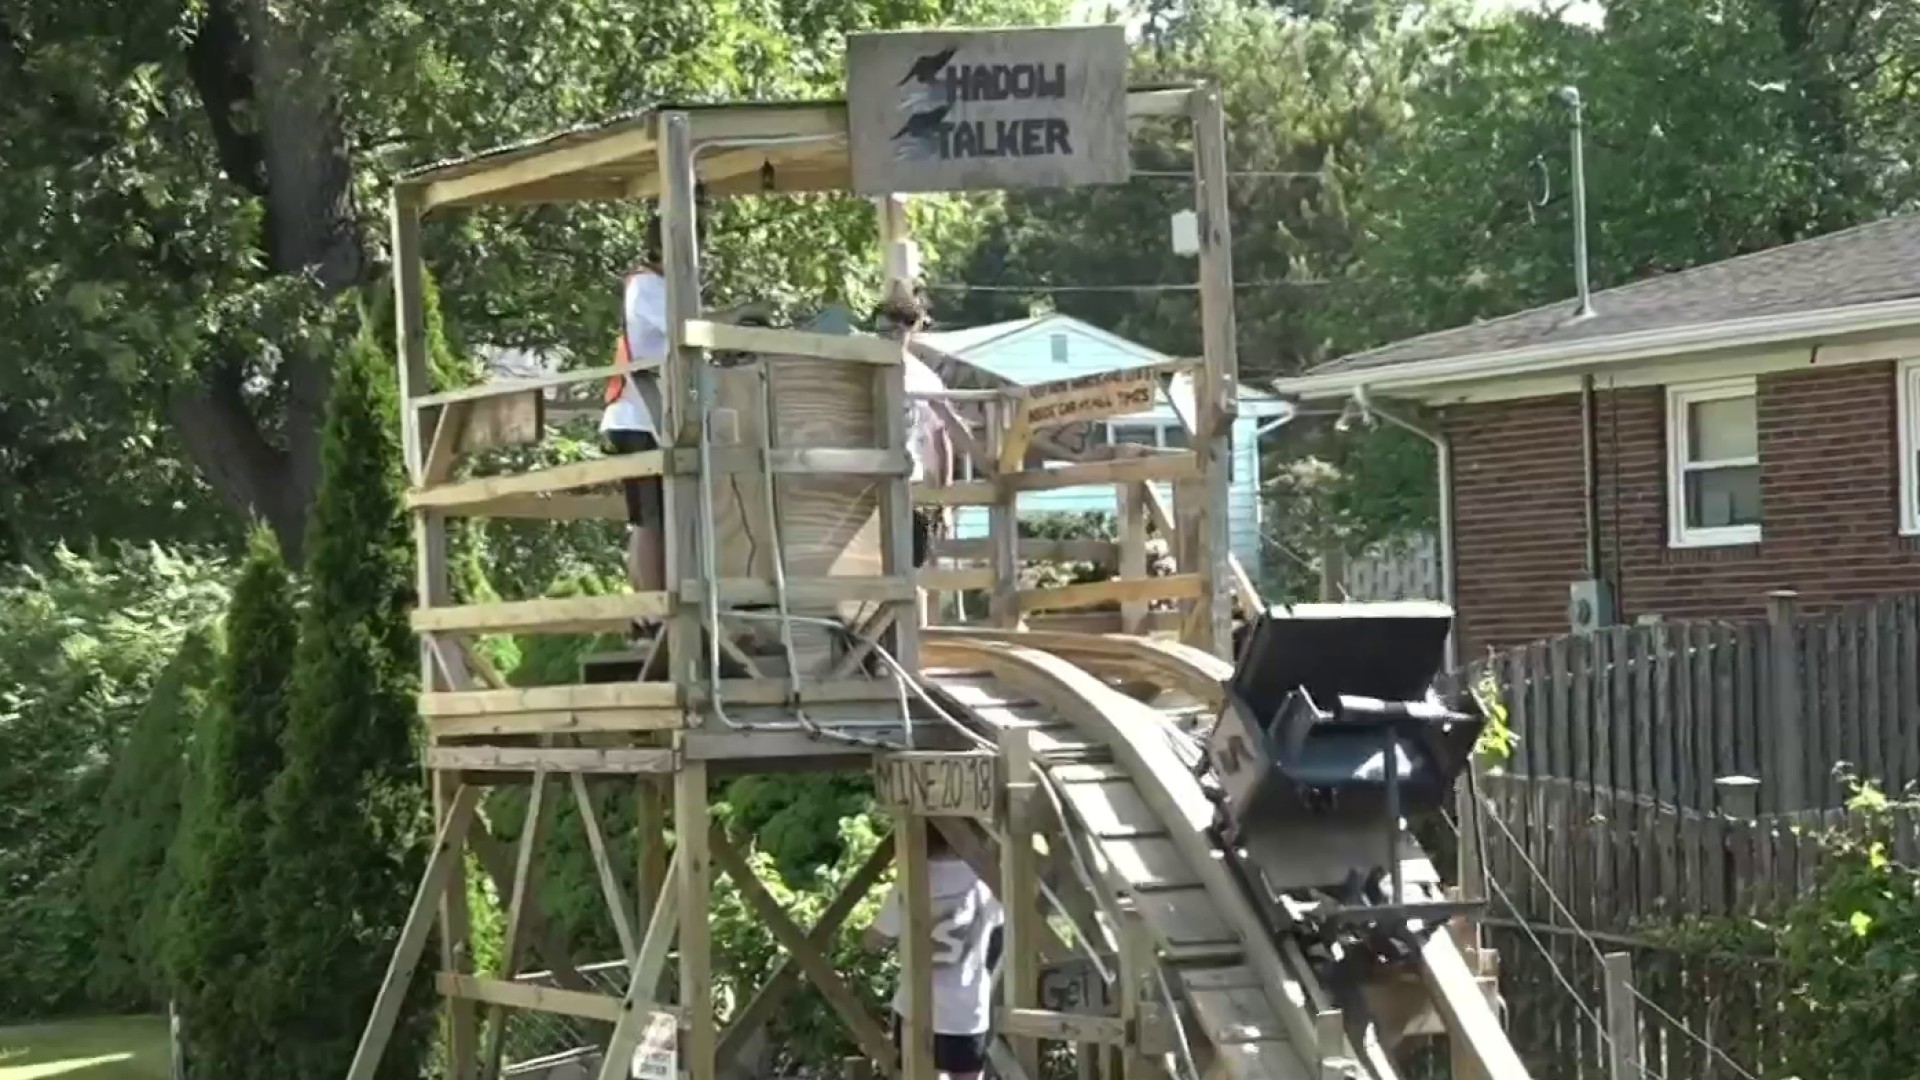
1865,264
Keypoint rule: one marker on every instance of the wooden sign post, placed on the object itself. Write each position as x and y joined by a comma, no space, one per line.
956,110
932,784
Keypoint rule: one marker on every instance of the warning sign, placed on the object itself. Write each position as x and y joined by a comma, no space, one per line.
658,1055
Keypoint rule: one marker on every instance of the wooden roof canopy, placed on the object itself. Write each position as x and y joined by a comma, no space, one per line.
740,148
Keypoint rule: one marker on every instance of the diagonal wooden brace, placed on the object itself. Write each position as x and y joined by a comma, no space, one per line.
867,1032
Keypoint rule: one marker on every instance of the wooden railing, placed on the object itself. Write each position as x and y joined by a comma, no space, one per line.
1011,436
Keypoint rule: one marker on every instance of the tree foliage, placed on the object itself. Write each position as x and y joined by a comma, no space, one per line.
347,812
217,937
134,875
86,641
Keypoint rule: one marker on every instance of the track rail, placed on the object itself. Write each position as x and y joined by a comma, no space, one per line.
1140,813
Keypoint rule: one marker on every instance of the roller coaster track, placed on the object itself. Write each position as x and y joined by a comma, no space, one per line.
1130,799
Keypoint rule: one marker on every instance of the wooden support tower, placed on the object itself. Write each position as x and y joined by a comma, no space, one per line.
801,649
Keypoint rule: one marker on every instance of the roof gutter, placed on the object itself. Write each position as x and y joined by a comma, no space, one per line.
1586,355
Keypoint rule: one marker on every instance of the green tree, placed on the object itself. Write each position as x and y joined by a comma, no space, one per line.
133,878
217,947
86,641
347,813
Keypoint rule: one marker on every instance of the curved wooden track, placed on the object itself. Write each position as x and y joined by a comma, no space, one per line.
1140,813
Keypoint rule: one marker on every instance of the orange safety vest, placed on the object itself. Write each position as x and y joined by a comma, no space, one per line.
623,354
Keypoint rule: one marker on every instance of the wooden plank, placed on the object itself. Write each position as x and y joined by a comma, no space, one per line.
559,615
933,784
550,699
612,760
472,496
1184,917
1162,468
867,1032
804,591
957,580
1060,1026
1148,863
625,143
959,493
1112,809
795,461
1239,1015
516,995
448,853
509,388
778,342
603,869
1068,597
556,722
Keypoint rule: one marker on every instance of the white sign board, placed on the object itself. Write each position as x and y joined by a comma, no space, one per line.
956,110
658,1055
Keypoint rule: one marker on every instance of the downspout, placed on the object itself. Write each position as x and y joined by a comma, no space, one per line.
1590,472
1443,473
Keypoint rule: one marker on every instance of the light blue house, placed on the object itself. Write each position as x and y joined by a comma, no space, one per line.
1050,347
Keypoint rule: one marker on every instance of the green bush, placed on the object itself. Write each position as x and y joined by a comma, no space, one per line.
347,814
86,640
132,881
216,938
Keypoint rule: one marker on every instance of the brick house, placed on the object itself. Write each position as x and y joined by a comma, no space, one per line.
1703,437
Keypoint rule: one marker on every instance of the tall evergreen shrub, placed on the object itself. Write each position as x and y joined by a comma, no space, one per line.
348,821
217,947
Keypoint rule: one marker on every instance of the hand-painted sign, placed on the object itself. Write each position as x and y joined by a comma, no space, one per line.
937,784
657,1057
982,109
1091,397
1075,986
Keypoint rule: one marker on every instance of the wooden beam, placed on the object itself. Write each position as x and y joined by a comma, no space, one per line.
1030,1024
501,388
517,995
1217,390
1033,548
916,945
1019,878
556,722
628,142
448,850
1165,468
963,493
1069,597
775,343
807,592
830,460
551,699
786,974
558,615
691,823
957,580
867,1032
618,760
471,497
514,936
603,867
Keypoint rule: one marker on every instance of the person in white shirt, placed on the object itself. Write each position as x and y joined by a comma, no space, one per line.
966,924
627,422
928,443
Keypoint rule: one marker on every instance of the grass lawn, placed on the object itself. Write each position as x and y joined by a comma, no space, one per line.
103,1048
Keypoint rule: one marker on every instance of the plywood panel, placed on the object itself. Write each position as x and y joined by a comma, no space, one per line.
1112,808
1185,917
1148,863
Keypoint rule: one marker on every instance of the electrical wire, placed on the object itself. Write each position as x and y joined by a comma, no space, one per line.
1594,946
1148,287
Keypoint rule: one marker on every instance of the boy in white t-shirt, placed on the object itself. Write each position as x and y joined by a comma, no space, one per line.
966,925
901,315
627,422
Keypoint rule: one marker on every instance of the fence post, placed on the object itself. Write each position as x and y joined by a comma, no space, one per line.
1786,776
1623,1018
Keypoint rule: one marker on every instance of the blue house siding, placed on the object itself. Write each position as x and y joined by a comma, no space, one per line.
1054,347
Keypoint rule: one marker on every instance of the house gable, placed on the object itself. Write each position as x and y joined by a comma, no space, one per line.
1030,351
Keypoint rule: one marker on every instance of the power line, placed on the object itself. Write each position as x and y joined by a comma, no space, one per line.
1175,286
1274,174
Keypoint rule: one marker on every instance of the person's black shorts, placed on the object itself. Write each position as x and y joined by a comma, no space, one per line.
645,504
926,522
959,1054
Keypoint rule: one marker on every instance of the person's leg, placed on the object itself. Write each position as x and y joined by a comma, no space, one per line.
645,562
960,1057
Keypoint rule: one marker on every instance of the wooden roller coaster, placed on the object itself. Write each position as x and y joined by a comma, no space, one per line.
1150,924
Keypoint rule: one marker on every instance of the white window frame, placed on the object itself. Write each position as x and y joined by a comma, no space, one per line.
1679,397
1907,397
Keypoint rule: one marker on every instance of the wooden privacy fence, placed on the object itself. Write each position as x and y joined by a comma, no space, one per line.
1582,870
1665,710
